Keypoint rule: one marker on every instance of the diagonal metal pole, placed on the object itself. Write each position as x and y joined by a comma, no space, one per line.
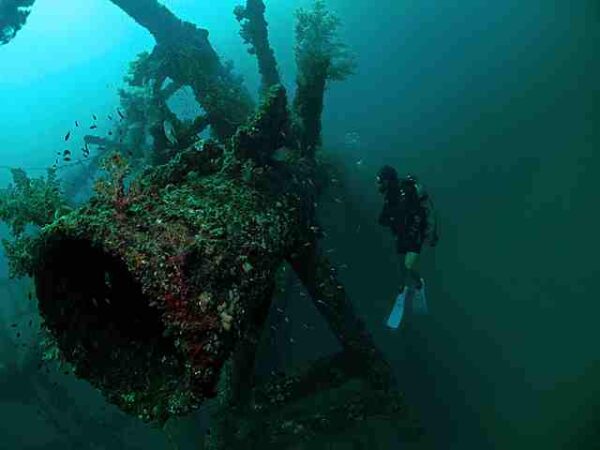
329,297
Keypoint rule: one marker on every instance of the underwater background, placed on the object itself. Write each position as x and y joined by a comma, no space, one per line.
495,106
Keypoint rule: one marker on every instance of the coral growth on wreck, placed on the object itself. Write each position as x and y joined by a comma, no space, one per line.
318,45
33,202
255,34
320,57
166,273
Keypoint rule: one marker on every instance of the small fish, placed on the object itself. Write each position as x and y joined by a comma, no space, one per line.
110,133
66,152
18,334
30,322
93,127
109,117
13,325
67,159
120,114
77,123
85,152
67,136
94,117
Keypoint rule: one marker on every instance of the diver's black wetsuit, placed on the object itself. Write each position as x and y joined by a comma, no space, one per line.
408,214
407,222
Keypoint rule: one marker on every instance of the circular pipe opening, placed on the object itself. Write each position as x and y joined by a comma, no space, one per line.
104,326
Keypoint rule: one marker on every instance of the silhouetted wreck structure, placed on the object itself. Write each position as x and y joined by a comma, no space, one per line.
13,15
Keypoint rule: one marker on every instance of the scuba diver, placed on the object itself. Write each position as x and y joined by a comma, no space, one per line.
408,212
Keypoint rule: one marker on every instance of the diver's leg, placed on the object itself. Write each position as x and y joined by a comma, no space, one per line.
413,278
395,317
403,272
419,302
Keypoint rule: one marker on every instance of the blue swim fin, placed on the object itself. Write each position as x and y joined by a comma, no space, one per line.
397,311
420,301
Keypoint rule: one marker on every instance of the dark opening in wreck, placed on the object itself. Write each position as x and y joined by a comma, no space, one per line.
105,327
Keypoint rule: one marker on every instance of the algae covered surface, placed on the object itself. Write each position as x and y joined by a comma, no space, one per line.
167,271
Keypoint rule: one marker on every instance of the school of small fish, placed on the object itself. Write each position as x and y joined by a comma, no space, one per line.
85,150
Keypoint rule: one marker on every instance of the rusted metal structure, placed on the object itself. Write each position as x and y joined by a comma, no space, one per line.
157,289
